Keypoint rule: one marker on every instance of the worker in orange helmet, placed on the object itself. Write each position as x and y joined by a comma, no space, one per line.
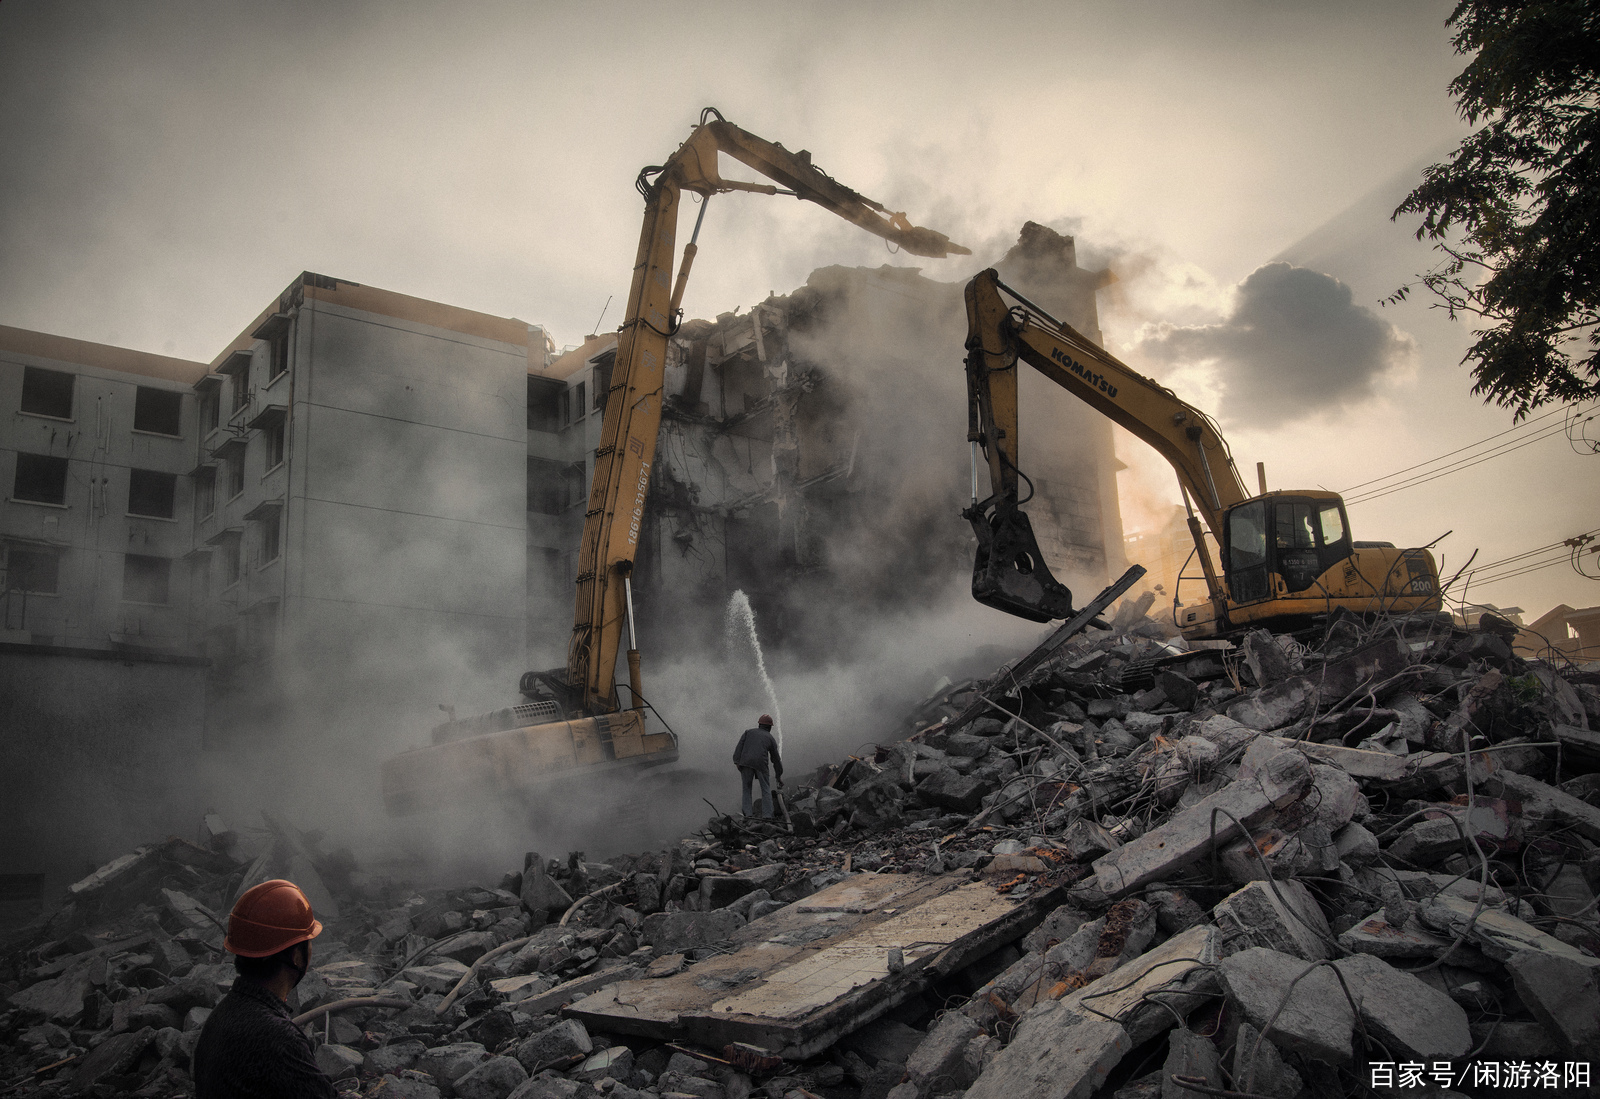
250,1047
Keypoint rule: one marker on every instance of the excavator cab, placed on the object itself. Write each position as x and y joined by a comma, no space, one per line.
1281,544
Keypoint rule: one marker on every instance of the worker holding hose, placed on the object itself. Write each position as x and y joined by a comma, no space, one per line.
249,1046
750,755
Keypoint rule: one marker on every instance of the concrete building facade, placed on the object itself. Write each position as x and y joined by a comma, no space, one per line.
360,517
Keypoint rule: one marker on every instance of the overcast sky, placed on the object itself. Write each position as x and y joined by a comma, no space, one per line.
170,167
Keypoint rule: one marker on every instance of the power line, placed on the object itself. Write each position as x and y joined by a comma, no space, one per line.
1519,427
1563,544
1499,451
1525,434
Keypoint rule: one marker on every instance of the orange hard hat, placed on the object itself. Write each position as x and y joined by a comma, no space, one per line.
270,917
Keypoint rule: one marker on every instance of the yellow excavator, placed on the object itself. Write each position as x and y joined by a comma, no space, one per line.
571,720
1287,556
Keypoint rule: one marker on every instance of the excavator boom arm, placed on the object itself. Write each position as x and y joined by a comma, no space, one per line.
999,334
623,461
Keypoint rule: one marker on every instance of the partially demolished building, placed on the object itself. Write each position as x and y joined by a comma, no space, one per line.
367,506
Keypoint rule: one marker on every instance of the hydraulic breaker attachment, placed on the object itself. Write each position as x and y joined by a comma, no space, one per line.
1010,573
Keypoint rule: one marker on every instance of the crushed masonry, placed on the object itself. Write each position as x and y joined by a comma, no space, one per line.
1258,863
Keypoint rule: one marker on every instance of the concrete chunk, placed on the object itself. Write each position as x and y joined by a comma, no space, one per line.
496,1078
1190,1055
1375,935
1054,1054
1543,802
1496,932
677,931
1260,1069
338,1061
1255,916
1188,835
1562,992
1408,1016
1316,1020
555,1046
1276,706
938,1064
948,789
1178,969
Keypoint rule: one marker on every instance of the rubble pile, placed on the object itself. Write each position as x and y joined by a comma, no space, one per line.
1134,863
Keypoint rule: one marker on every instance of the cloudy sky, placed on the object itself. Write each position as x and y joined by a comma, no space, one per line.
171,166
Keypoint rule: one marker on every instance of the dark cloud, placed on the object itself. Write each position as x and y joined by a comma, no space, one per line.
1295,344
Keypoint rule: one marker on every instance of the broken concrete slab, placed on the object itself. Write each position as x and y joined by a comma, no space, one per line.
1562,992
61,998
1428,841
799,979
1357,762
576,989
1275,707
1193,1057
1054,1054
947,789
1316,1020
1411,1018
1258,1067
1376,936
1496,932
1176,974
671,932
1281,915
1543,802
1188,835
938,1065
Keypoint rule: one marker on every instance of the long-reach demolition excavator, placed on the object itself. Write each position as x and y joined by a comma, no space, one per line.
1287,556
571,720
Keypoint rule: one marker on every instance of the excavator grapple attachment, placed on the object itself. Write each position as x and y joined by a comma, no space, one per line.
1010,573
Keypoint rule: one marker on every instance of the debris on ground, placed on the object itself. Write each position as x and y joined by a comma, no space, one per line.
1125,861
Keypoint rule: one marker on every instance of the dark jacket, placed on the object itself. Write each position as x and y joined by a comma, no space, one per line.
249,1049
754,748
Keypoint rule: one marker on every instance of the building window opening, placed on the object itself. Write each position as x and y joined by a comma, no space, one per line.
41,479
279,348
47,392
230,562
158,411
152,494
576,409
547,488
544,404
145,579
270,536
241,389
274,436
210,411
35,571
603,367
205,492
235,475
